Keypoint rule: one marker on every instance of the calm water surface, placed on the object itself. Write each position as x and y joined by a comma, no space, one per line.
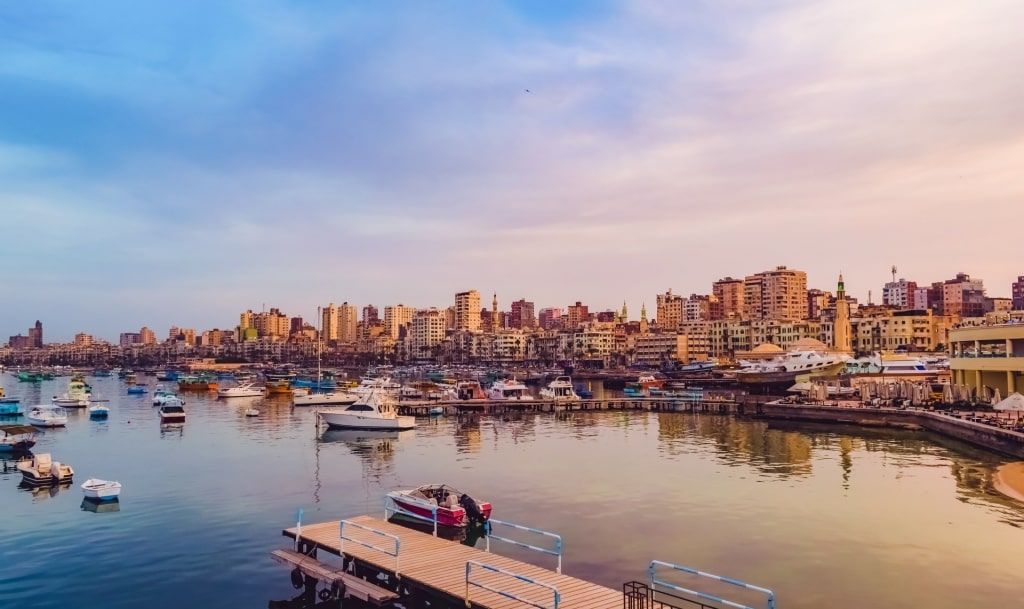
825,517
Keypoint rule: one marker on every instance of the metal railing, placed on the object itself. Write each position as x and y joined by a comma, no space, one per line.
391,507
298,527
655,582
489,535
469,582
398,542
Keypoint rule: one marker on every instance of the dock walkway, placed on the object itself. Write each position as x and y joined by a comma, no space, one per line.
442,567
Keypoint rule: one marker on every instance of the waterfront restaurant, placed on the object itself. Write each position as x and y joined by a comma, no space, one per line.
988,356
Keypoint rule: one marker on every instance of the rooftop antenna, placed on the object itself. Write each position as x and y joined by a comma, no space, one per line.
894,273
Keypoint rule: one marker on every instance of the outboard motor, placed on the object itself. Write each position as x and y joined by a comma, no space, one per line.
476,516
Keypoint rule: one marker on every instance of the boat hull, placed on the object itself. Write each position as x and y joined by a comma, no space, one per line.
347,420
424,509
787,376
101,490
325,399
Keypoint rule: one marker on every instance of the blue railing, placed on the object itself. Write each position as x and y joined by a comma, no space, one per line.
398,542
557,551
655,582
391,507
469,582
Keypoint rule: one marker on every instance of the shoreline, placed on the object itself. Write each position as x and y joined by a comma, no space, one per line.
1009,480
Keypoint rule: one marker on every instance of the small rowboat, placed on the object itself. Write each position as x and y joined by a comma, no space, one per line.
101,490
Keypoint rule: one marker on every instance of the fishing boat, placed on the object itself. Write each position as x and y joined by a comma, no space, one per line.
101,490
75,397
41,470
47,415
341,398
11,409
449,506
17,438
197,383
279,387
470,390
137,390
172,413
375,410
647,381
560,390
245,390
98,411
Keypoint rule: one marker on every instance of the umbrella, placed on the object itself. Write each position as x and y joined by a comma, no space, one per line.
800,387
1014,401
996,397
947,394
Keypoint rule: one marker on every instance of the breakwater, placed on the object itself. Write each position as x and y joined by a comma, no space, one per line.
1004,441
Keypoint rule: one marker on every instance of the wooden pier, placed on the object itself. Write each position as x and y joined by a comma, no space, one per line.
668,404
391,561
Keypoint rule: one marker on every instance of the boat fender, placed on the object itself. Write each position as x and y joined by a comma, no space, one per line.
297,578
325,594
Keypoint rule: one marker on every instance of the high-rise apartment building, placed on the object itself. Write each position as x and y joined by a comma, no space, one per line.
899,294
428,331
697,307
780,294
730,293
329,327
669,311
1017,294
83,340
522,315
348,323
397,317
127,339
963,296
370,315
576,315
550,318
35,335
467,311
147,336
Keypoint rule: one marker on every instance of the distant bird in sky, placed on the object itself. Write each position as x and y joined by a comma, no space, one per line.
527,90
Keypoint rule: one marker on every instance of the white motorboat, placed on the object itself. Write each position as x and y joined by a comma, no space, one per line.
245,390
339,398
811,359
375,410
101,490
98,411
560,390
508,389
376,384
47,415
40,470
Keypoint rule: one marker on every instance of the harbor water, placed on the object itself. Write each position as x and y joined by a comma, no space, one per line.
824,516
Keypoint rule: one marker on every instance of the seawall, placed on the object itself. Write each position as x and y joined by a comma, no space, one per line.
1003,441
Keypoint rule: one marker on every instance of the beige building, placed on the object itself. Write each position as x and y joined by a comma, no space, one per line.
730,294
776,295
395,317
888,330
988,356
426,333
348,323
656,349
594,340
669,311
467,311
329,328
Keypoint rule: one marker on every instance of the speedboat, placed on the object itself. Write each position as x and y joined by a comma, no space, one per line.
648,381
40,469
46,415
452,507
98,411
341,398
101,490
17,438
560,390
375,410
508,389
245,390
172,413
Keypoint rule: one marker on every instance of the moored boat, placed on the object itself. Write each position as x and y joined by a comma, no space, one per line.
375,410
560,390
509,389
279,387
17,438
172,413
449,506
98,411
341,398
46,415
41,469
101,490
809,358
76,395
245,390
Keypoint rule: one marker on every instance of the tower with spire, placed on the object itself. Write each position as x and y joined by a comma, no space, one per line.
643,319
623,317
842,341
494,315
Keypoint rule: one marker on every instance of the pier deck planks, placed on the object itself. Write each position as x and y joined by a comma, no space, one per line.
440,564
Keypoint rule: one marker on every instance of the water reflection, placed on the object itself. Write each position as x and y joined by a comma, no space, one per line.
467,433
748,442
100,507
172,430
40,493
375,449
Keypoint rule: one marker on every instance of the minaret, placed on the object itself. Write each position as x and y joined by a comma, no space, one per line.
624,317
643,319
494,315
841,331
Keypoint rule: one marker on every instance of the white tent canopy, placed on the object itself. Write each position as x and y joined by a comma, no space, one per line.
1014,401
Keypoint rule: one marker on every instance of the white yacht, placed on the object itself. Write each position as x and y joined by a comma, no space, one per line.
899,365
47,415
808,357
375,410
333,398
245,390
560,390
508,389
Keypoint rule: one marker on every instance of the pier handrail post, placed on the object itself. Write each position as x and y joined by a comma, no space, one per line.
770,596
298,528
398,542
556,597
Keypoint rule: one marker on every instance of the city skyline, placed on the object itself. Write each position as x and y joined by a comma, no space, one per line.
171,165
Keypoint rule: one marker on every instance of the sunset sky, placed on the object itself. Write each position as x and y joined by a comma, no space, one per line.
178,163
